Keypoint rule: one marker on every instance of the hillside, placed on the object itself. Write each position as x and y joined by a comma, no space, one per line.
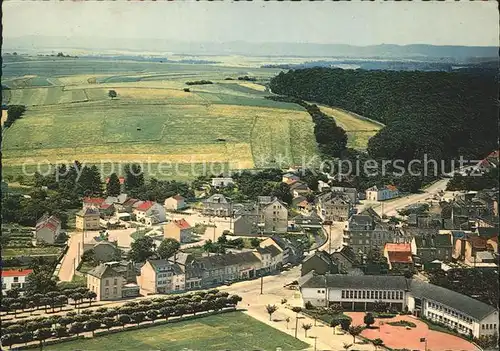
440,114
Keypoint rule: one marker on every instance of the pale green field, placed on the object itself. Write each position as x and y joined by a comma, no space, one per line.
228,124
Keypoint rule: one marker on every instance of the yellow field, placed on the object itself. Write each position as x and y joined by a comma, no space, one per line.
253,86
261,112
358,130
4,116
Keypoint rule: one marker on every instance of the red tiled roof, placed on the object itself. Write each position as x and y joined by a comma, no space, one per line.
146,205
178,197
391,187
16,273
303,203
51,222
121,179
391,247
290,181
400,257
105,206
93,200
130,202
182,223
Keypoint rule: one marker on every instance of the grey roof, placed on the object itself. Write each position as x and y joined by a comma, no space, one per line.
229,259
472,307
335,198
371,212
165,264
271,249
217,198
88,211
360,219
347,253
322,255
101,269
433,241
299,186
382,282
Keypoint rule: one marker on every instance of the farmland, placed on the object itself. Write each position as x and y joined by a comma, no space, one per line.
228,124
230,331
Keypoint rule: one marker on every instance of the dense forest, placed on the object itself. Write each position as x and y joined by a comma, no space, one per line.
441,114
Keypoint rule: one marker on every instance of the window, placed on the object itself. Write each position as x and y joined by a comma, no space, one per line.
393,295
115,290
115,282
106,283
376,295
355,294
351,294
343,294
372,294
16,279
363,294
319,291
106,292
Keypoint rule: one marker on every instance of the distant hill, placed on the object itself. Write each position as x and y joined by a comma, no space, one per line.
387,51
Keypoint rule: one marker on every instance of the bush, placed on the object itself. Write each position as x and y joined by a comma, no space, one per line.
402,324
309,305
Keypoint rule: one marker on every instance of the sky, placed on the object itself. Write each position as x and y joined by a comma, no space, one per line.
471,23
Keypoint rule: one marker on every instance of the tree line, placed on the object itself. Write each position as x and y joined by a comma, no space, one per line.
441,114
43,328
14,112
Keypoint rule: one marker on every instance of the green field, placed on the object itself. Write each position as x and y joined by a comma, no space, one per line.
228,331
31,251
228,124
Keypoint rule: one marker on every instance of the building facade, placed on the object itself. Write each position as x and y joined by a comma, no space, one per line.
161,277
274,217
178,229
48,229
88,219
175,203
386,192
334,206
14,279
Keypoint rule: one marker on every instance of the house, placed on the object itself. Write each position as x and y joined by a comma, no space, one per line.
175,203
222,182
345,259
302,205
47,229
122,183
271,258
92,202
161,277
386,192
299,188
88,219
191,269
217,205
431,247
127,206
354,293
289,178
218,269
178,229
307,221
113,281
463,313
320,262
107,209
274,217
473,251
362,234
352,193
292,252
399,257
246,224
14,279
334,206
104,251
149,212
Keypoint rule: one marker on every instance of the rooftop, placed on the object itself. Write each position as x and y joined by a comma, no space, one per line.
399,247
472,307
16,272
400,257
386,282
181,223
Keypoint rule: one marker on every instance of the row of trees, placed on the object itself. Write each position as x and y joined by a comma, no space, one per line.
440,114
14,302
331,138
70,324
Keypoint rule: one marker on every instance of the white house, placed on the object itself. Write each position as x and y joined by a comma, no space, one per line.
380,194
150,212
221,182
14,279
174,203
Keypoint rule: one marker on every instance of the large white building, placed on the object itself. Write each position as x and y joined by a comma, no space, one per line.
359,293
380,194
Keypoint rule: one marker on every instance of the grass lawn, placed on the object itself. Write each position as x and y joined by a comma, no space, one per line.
229,331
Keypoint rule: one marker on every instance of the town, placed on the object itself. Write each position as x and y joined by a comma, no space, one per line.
336,252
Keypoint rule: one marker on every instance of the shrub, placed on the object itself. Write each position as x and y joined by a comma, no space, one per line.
309,305
402,323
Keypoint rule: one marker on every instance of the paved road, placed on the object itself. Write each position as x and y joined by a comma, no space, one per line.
72,258
390,207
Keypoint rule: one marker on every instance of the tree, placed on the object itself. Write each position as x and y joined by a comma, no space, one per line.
77,328
335,309
42,335
61,331
9,340
167,248
377,343
13,293
52,295
368,319
141,249
92,325
134,177
334,323
90,295
41,280
124,319
345,324
138,317
26,337
112,94
271,309
61,300
15,306
380,306
306,327
354,331
76,297
282,192
166,312
152,315
287,320
113,187
31,306
108,322
254,242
